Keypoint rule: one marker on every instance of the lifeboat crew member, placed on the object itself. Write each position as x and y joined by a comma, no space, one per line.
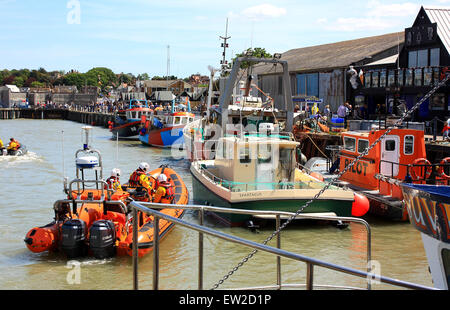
14,145
139,178
164,192
2,146
113,181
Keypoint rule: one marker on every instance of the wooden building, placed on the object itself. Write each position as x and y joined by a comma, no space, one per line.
407,76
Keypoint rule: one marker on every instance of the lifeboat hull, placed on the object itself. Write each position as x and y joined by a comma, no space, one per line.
49,237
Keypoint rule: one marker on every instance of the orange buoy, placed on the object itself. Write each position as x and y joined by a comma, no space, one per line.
360,206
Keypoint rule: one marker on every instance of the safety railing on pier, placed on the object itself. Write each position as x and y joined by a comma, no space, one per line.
311,263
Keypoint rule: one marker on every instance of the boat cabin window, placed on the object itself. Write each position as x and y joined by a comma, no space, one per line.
446,263
350,144
177,120
389,145
362,145
408,148
184,120
244,155
264,153
285,156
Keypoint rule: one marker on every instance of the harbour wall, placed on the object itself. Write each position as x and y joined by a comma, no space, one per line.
91,118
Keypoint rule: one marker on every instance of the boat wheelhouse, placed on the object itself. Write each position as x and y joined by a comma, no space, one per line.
126,123
400,156
258,172
164,130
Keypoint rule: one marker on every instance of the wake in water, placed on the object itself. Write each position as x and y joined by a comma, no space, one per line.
13,160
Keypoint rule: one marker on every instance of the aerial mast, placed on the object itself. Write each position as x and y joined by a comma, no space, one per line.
224,62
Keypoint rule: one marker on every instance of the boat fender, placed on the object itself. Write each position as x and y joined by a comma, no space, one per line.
41,239
441,170
360,205
73,238
317,175
102,239
422,162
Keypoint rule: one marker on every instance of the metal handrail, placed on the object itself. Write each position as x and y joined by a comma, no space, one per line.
310,262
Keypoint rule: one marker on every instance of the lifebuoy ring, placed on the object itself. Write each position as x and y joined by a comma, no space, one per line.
422,163
441,170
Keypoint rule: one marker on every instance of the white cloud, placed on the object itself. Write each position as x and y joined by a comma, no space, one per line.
392,10
358,24
260,12
377,17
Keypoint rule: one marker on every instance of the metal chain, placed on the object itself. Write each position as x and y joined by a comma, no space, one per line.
327,186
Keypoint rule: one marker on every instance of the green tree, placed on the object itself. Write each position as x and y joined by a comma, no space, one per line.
103,77
257,52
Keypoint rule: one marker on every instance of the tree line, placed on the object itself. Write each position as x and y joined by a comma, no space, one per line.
99,77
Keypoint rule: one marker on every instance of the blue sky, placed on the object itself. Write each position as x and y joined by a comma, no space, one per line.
133,35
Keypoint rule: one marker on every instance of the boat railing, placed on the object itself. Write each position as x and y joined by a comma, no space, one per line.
311,263
234,186
423,173
83,184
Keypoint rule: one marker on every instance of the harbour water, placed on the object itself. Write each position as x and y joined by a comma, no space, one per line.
30,184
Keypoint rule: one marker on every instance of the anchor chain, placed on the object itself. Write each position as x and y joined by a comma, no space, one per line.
329,183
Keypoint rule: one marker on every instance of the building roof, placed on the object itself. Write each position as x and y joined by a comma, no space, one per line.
163,83
334,55
13,88
163,96
441,16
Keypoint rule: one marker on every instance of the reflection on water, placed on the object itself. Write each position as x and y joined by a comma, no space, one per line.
31,184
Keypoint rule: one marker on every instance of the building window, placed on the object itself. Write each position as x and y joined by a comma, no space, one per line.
427,76
391,78
418,77
400,77
409,77
375,78
308,84
435,57
422,58
412,59
383,78
368,79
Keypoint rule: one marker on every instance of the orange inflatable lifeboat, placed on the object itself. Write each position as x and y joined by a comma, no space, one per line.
103,228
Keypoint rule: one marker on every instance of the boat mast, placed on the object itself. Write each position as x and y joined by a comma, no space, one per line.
224,62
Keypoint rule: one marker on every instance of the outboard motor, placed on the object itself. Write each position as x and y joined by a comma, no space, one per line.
73,238
102,239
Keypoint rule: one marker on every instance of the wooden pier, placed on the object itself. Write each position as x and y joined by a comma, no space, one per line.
91,118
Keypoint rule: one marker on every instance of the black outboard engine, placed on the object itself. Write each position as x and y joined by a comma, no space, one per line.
73,238
102,239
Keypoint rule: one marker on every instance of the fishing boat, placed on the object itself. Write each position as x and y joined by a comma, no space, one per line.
126,122
165,131
429,212
400,156
95,221
242,103
258,172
